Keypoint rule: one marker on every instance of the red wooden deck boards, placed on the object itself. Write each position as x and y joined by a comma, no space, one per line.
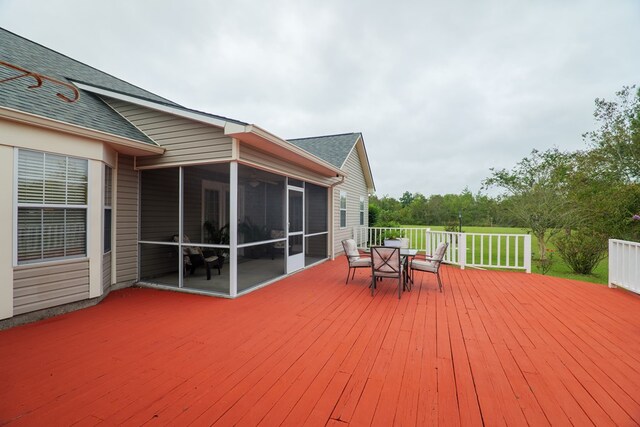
495,348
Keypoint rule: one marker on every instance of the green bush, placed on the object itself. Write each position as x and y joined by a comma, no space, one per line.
374,214
582,250
452,226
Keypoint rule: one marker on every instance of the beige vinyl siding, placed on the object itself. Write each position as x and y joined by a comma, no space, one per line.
185,140
265,160
40,286
106,272
355,186
126,221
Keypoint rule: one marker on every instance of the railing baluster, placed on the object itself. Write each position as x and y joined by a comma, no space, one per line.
424,239
490,250
624,264
473,249
507,253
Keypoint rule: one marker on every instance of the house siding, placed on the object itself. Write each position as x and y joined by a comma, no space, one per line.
281,166
186,141
36,287
355,186
126,222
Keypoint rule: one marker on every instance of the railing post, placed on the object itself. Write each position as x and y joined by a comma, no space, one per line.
462,250
612,269
427,241
527,253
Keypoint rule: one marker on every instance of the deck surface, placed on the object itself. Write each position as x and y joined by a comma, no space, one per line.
495,348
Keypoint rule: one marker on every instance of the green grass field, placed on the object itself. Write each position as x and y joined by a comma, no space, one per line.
558,267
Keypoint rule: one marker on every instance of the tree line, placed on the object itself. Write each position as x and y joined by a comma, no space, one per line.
577,199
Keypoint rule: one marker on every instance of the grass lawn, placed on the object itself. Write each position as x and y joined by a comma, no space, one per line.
558,268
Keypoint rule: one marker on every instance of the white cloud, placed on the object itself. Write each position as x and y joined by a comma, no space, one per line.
441,90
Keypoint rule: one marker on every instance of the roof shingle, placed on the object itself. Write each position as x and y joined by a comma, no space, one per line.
88,111
333,149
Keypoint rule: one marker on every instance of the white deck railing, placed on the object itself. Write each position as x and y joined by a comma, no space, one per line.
624,265
482,250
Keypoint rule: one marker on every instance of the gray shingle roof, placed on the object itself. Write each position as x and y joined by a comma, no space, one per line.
330,148
88,111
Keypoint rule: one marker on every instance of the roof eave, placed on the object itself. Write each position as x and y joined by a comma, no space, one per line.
261,139
251,134
152,105
121,144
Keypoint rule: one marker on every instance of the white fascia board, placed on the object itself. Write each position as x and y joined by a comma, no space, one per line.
364,162
153,105
47,123
258,131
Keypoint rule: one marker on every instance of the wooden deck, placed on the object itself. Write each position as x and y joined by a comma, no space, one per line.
494,348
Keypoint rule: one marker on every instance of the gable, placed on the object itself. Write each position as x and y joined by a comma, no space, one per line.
337,149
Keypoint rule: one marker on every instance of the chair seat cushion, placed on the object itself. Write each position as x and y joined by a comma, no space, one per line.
360,262
424,266
387,274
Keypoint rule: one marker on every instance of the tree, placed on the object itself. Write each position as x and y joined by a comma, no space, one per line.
406,199
537,192
617,140
374,214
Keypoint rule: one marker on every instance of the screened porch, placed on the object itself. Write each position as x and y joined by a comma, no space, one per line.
227,228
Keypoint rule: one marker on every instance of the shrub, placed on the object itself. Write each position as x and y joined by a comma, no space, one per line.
374,214
452,226
582,250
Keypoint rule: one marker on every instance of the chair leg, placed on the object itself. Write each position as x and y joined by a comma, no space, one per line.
373,283
400,286
354,274
348,273
439,281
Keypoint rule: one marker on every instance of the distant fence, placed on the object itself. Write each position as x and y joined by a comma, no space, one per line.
481,250
624,265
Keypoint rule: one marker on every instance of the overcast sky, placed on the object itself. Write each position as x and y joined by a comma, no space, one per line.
441,90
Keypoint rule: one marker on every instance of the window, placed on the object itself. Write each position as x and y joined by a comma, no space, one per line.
108,195
343,209
361,210
51,206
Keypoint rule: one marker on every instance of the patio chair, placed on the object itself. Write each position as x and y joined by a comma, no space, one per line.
354,258
386,263
194,257
277,247
431,264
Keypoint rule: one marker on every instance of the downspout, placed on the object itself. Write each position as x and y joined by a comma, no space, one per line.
333,216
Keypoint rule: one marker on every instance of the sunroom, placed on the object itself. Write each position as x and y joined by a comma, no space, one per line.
228,228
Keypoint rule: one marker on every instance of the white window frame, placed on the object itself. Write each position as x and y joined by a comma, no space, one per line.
107,207
362,206
18,205
343,196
